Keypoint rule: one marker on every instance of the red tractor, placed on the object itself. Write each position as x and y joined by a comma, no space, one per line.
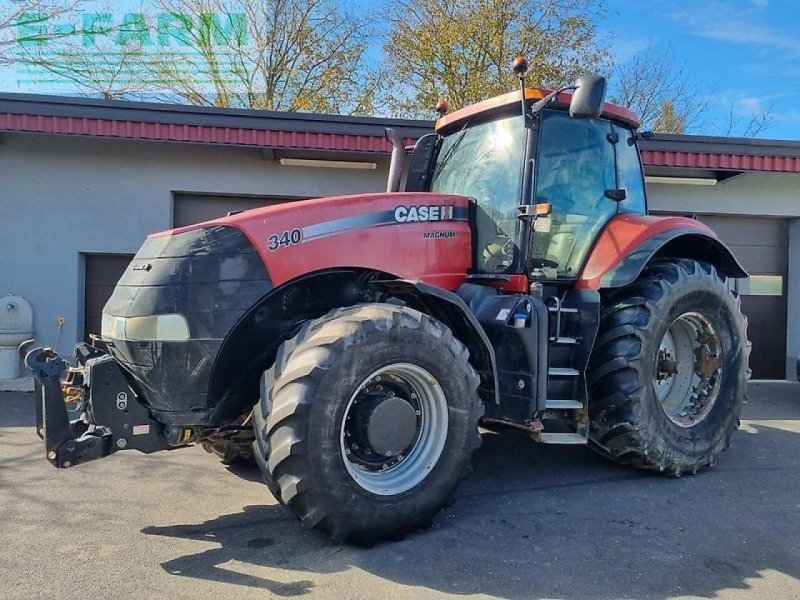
351,346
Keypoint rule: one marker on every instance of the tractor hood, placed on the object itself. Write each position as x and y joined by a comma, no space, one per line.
422,236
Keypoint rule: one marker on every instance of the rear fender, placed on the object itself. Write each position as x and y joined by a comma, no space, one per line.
451,310
630,242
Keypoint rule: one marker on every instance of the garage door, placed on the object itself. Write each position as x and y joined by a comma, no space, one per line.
102,273
191,208
761,245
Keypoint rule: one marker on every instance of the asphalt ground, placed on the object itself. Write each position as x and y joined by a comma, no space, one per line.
532,522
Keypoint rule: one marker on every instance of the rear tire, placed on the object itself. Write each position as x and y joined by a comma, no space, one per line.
668,374
387,358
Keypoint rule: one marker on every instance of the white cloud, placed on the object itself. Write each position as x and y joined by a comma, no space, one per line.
750,105
724,22
746,103
791,116
629,46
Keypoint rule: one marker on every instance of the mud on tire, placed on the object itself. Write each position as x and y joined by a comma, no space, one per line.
629,423
306,397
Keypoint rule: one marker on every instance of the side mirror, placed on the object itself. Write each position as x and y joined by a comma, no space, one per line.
588,97
419,170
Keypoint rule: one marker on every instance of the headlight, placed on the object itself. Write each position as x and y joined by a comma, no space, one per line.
152,328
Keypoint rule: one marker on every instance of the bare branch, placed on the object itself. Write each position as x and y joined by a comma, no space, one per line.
31,22
746,119
656,88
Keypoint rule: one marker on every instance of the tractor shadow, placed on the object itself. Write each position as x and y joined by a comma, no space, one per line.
545,522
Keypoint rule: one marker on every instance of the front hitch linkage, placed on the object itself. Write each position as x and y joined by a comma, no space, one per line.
112,418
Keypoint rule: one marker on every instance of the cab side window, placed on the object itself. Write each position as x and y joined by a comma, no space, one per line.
629,171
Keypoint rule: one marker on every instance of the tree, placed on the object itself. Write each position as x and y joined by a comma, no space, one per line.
461,50
668,119
293,55
664,97
26,22
92,60
288,55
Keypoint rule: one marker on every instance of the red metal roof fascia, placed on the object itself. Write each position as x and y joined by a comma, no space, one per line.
236,136
204,134
735,162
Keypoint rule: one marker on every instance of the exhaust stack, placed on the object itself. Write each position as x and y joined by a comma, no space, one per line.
398,154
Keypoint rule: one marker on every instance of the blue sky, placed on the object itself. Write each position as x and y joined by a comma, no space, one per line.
741,51
745,51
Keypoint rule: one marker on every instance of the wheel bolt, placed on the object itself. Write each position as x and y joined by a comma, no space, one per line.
354,446
417,412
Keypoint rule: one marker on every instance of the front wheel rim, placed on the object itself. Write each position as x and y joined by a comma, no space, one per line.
374,466
688,369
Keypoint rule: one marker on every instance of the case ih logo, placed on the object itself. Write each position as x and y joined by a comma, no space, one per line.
434,212
401,214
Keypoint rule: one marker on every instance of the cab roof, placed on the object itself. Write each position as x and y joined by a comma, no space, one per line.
502,103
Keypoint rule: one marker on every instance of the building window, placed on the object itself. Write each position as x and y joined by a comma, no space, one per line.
759,285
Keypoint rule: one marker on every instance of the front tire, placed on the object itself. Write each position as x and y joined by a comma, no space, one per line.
367,421
668,374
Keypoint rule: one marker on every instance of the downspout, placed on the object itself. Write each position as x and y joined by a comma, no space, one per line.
396,165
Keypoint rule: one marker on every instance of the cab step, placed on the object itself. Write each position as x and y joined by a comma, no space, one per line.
561,438
562,372
564,340
563,404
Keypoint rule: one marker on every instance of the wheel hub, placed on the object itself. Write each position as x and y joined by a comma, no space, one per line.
391,426
394,429
383,421
688,369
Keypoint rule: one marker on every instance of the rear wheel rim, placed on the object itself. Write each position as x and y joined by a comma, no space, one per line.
373,465
688,369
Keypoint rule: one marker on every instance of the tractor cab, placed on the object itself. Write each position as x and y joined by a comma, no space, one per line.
545,181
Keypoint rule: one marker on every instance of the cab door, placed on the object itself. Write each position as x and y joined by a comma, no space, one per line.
575,168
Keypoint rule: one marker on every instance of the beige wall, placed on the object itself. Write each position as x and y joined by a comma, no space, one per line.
764,194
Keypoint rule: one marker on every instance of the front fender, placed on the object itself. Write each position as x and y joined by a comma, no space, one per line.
629,242
451,310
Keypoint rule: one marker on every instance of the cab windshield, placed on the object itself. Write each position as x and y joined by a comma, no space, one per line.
485,162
